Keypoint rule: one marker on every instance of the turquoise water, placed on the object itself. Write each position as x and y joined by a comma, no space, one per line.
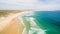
46,20
49,20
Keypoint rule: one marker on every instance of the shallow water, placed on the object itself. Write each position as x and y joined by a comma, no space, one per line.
49,21
36,22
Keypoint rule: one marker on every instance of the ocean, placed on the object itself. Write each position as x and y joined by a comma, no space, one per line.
49,21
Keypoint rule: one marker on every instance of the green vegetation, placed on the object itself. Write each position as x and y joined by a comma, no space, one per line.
5,13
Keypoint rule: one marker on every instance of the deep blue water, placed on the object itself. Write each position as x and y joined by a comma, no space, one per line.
46,20
49,20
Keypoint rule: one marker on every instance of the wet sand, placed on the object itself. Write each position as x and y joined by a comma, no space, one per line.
12,25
